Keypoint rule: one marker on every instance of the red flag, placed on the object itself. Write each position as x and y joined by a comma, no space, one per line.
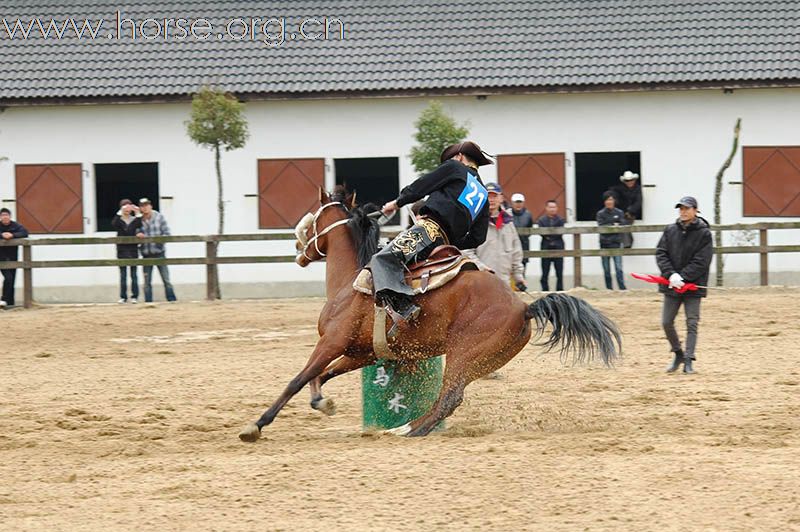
660,280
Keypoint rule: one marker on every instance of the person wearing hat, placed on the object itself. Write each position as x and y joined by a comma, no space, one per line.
154,224
628,196
456,212
684,256
522,218
9,229
502,250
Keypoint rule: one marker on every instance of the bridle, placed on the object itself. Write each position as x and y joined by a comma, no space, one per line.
305,222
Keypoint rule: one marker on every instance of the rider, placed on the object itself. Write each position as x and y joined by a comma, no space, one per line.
456,212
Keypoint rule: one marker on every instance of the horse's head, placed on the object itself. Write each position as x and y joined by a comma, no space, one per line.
313,229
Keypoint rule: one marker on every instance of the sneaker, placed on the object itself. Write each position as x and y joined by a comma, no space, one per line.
121,301
134,301
3,304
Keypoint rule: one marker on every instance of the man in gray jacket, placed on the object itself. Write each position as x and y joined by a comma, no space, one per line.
502,251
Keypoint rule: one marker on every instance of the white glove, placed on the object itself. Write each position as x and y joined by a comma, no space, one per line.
676,281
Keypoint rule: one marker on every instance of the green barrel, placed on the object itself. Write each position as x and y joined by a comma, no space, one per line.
394,393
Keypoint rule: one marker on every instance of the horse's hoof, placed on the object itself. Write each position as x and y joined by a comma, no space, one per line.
402,430
326,406
250,433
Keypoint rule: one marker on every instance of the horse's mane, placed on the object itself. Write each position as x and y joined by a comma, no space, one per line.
365,230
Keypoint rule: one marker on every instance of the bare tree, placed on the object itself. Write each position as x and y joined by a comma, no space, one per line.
717,198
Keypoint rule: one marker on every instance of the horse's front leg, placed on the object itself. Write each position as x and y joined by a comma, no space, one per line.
341,366
326,351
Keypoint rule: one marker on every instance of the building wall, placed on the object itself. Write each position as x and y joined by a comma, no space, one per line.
683,138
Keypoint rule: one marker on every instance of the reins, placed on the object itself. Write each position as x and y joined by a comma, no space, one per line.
317,235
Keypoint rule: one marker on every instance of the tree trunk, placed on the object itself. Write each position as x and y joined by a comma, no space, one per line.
221,213
717,208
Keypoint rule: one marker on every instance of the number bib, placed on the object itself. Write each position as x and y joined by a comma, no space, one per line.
474,195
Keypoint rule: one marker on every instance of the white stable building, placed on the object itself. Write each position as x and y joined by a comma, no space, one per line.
567,94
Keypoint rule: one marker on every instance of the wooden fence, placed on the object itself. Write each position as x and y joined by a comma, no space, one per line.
211,260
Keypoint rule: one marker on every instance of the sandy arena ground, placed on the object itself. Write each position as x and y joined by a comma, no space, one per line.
126,418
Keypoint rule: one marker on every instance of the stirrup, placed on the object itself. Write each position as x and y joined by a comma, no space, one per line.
401,321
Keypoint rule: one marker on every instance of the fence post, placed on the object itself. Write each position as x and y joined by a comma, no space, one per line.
211,268
395,393
762,233
577,273
27,276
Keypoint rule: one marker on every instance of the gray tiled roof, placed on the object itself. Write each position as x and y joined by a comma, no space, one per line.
412,45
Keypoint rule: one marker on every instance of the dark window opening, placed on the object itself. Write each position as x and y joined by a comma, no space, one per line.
595,173
116,181
374,179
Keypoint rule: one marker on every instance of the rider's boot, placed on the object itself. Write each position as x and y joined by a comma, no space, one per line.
403,312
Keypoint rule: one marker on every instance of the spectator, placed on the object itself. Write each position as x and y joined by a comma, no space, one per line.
502,251
610,215
154,224
9,229
127,222
522,218
684,256
552,219
628,195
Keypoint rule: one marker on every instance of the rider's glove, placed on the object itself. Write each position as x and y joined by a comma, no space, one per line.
676,281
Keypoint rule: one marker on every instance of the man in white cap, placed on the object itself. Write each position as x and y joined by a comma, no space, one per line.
628,196
522,218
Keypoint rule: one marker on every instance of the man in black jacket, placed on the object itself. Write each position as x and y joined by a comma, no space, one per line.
628,194
456,212
9,229
610,215
684,256
552,219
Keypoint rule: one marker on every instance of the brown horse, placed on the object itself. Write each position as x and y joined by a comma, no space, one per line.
475,320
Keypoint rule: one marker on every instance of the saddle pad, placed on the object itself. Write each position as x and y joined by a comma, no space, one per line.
363,282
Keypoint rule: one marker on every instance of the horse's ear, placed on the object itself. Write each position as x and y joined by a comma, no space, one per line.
350,201
323,196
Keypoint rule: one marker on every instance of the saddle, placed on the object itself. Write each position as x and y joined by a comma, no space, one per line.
442,265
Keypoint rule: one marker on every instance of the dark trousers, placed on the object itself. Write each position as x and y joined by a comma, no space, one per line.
123,282
558,266
163,270
617,269
389,264
691,307
8,286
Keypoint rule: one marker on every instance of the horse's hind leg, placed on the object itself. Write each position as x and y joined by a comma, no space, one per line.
326,352
465,363
341,366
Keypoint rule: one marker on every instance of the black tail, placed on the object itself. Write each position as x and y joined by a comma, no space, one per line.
577,327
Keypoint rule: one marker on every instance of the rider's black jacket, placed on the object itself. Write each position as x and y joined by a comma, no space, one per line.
457,201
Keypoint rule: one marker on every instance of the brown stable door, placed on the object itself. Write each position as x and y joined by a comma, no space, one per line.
539,176
50,198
